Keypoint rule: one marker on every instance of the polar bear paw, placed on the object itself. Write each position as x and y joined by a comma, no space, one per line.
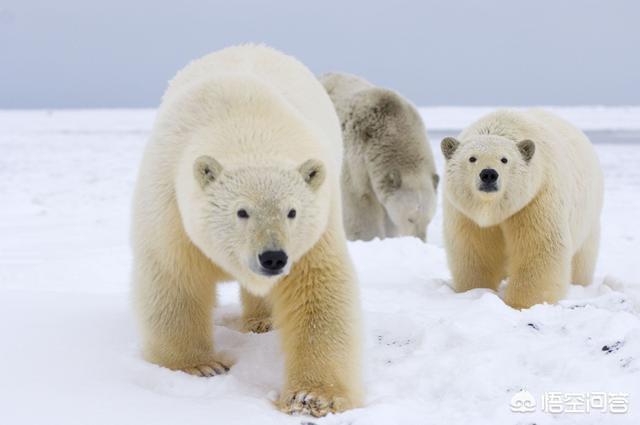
211,368
311,403
258,325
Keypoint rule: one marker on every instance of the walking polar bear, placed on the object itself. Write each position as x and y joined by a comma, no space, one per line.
389,178
240,181
522,198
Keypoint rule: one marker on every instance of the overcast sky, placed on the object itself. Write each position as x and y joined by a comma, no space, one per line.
120,53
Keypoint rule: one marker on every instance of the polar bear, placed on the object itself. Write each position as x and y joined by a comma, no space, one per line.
522,196
389,178
240,181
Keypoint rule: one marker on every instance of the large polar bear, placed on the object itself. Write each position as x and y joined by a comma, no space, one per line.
389,178
522,198
240,181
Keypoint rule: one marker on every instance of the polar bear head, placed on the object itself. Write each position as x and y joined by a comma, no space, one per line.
488,177
399,163
256,221
409,199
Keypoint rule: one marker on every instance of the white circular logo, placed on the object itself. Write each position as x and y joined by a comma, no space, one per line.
523,402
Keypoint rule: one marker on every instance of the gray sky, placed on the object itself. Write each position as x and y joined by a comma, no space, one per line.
120,53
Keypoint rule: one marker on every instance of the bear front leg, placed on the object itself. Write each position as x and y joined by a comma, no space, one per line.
476,255
256,313
540,259
174,310
363,216
317,312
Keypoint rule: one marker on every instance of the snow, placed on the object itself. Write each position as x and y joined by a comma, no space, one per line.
70,352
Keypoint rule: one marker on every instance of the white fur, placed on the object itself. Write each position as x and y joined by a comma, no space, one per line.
254,118
389,178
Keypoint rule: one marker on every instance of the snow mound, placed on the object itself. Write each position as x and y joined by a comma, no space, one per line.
431,355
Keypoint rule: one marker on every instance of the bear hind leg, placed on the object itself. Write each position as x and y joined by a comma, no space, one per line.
584,261
256,313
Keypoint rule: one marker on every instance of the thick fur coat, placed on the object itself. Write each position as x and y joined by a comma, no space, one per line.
523,194
240,181
389,179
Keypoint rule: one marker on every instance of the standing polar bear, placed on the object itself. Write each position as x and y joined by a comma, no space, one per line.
389,178
522,198
240,181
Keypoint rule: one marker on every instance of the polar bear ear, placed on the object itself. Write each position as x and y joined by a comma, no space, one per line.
206,170
313,173
393,180
449,146
527,148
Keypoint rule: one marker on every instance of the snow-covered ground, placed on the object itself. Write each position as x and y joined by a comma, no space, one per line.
69,350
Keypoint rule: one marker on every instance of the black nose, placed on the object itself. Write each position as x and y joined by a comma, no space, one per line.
488,175
273,261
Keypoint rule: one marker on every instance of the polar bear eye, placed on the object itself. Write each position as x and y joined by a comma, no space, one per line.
473,159
292,213
243,213
504,160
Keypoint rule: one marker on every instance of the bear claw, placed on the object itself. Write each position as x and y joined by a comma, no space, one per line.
207,370
258,326
310,403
